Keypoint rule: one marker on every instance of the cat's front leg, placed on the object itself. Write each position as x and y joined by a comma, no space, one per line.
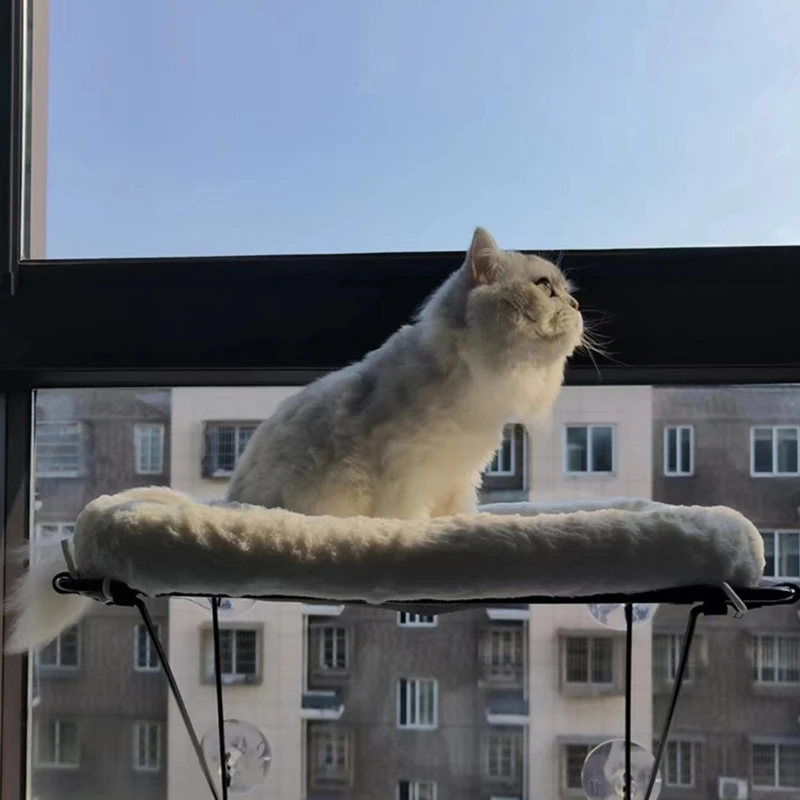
458,500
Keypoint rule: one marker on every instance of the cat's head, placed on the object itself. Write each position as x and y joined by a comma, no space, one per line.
519,308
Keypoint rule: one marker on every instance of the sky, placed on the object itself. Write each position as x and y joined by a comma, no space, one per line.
231,127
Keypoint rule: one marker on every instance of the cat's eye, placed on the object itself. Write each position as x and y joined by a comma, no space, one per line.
545,284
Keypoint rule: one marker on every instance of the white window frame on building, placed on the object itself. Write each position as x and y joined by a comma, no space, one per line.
408,619
777,746
243,431
59,728
776,660
230,644
417,703
58,648
502,756
333,644
51,530
774,438
590,446
145,735
592,644
680,756
504,460
668,646
570,782
775,541
330,756
148,441
145,656
71,434
416,790
682,465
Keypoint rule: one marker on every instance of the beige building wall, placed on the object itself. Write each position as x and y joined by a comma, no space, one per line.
273,705
555,716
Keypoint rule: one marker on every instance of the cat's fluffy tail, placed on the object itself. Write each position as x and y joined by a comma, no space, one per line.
40,613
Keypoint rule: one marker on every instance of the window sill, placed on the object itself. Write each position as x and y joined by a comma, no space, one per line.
590,690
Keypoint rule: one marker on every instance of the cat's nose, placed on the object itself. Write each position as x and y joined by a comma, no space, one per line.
574,303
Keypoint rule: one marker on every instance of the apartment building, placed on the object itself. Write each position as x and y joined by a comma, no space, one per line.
737,730
98,697
363,703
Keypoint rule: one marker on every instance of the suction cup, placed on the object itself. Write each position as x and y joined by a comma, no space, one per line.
248,752
229,607
603,774
612,615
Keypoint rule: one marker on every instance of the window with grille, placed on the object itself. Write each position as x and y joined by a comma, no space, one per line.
60,449
504,460
589,660
333,648
774,450
239,655
679,450
330,756
224,444
589,450
416,790
667,657
64,652
145,657
56,744
148,439
782,554
503,756
776,765
147,746
777,659
54,530
680,764
408,620
574,756
416,703
503,656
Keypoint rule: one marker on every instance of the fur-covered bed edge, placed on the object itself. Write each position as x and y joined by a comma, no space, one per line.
160,541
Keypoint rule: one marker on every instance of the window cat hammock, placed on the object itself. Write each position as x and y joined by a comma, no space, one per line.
611,553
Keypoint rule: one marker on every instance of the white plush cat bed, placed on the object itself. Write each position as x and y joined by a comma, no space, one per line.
159,541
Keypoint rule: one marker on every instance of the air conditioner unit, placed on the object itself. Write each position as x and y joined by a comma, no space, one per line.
731,788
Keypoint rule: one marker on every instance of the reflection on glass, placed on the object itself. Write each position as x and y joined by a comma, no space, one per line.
360,702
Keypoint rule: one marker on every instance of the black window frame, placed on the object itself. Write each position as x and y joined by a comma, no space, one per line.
680,316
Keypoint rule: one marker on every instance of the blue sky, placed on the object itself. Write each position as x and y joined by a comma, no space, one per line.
202,127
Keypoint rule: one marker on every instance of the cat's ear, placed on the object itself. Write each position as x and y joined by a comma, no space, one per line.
483,257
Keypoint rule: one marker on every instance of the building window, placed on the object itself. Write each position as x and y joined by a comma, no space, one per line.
667,658
145,657
782,554
224,444
777,659
333,648
679,450
53,530
503,462
589,449
503,756
63,652
60,450
147,746
56,744
148,439
416,790
408,620
416,703
679,764
776,765
773,450
238,655
330,761
589,660
574,758
503,653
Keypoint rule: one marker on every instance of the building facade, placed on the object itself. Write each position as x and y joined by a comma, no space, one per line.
736,733
98,698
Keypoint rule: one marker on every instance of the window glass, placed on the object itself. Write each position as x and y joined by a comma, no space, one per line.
172,129
314,678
